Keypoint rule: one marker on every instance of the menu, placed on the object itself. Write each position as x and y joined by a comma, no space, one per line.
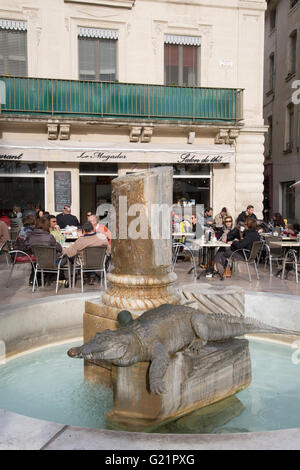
62,189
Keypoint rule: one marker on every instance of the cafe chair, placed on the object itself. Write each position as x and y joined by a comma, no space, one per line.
94,258
291,258
4,249
242,258
18,257
179,248
47,262
274,252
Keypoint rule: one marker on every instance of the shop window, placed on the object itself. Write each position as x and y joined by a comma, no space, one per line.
13,48
20,191
288,200
97,52
24,168
182,60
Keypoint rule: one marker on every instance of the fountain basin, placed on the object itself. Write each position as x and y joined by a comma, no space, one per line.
40,327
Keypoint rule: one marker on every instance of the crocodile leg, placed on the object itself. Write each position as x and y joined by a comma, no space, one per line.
160,360
201,330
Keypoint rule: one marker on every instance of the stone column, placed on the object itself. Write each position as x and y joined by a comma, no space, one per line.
142,276
250,170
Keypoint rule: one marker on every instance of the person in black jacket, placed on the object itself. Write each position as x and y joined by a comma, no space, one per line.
250,235
227,235
249,212
66,218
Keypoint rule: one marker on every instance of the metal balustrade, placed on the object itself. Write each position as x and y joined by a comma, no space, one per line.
53,97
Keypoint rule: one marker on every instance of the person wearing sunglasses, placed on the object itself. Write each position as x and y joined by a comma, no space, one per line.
228,234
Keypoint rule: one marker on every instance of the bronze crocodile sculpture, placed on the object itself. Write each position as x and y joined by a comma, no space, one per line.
163,331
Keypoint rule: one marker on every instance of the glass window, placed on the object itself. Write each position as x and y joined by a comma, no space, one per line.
98,168
13,52
290,128
293,52
11,168
288,200
191,191
180,169
272,71
181,64
23,192
97,59
273,18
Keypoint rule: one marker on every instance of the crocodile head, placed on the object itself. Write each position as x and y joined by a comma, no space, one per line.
119,347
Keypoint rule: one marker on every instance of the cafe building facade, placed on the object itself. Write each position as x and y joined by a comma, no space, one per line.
93,90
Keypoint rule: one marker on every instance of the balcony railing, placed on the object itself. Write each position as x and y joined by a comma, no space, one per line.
71,98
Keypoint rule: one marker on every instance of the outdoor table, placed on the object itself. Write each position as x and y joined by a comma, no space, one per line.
283,238
209,249
183,234
287,244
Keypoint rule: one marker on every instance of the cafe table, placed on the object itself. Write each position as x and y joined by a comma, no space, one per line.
207,251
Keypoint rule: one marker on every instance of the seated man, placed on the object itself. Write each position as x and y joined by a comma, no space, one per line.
249,212
89,238
208,217
250,235
66,218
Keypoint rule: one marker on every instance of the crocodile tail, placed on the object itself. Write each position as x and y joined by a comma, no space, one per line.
255,326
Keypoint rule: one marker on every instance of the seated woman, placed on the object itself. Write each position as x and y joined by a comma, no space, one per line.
292,230
227,235
41,236
250,235
277,220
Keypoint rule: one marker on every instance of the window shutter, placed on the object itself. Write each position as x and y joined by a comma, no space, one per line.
13,52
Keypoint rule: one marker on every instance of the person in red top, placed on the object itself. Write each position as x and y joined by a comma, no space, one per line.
100,228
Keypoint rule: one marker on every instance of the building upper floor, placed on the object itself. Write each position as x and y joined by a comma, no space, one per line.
282,36
149,59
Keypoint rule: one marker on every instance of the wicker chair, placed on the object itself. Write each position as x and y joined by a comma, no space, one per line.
47,262
94,258
252,259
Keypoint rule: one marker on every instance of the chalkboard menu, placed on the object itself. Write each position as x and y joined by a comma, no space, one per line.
62,189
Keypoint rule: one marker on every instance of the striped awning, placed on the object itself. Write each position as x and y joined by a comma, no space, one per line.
97,33
13,24
182,40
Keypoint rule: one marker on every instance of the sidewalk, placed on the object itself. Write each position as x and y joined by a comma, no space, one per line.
19,290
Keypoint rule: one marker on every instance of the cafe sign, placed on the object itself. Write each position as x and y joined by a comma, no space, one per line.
212,154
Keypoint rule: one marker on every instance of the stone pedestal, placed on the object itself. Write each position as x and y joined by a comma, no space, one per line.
219,371
228,300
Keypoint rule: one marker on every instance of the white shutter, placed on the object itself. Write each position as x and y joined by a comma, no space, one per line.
13,52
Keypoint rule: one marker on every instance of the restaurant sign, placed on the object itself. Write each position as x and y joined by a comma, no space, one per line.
146,154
